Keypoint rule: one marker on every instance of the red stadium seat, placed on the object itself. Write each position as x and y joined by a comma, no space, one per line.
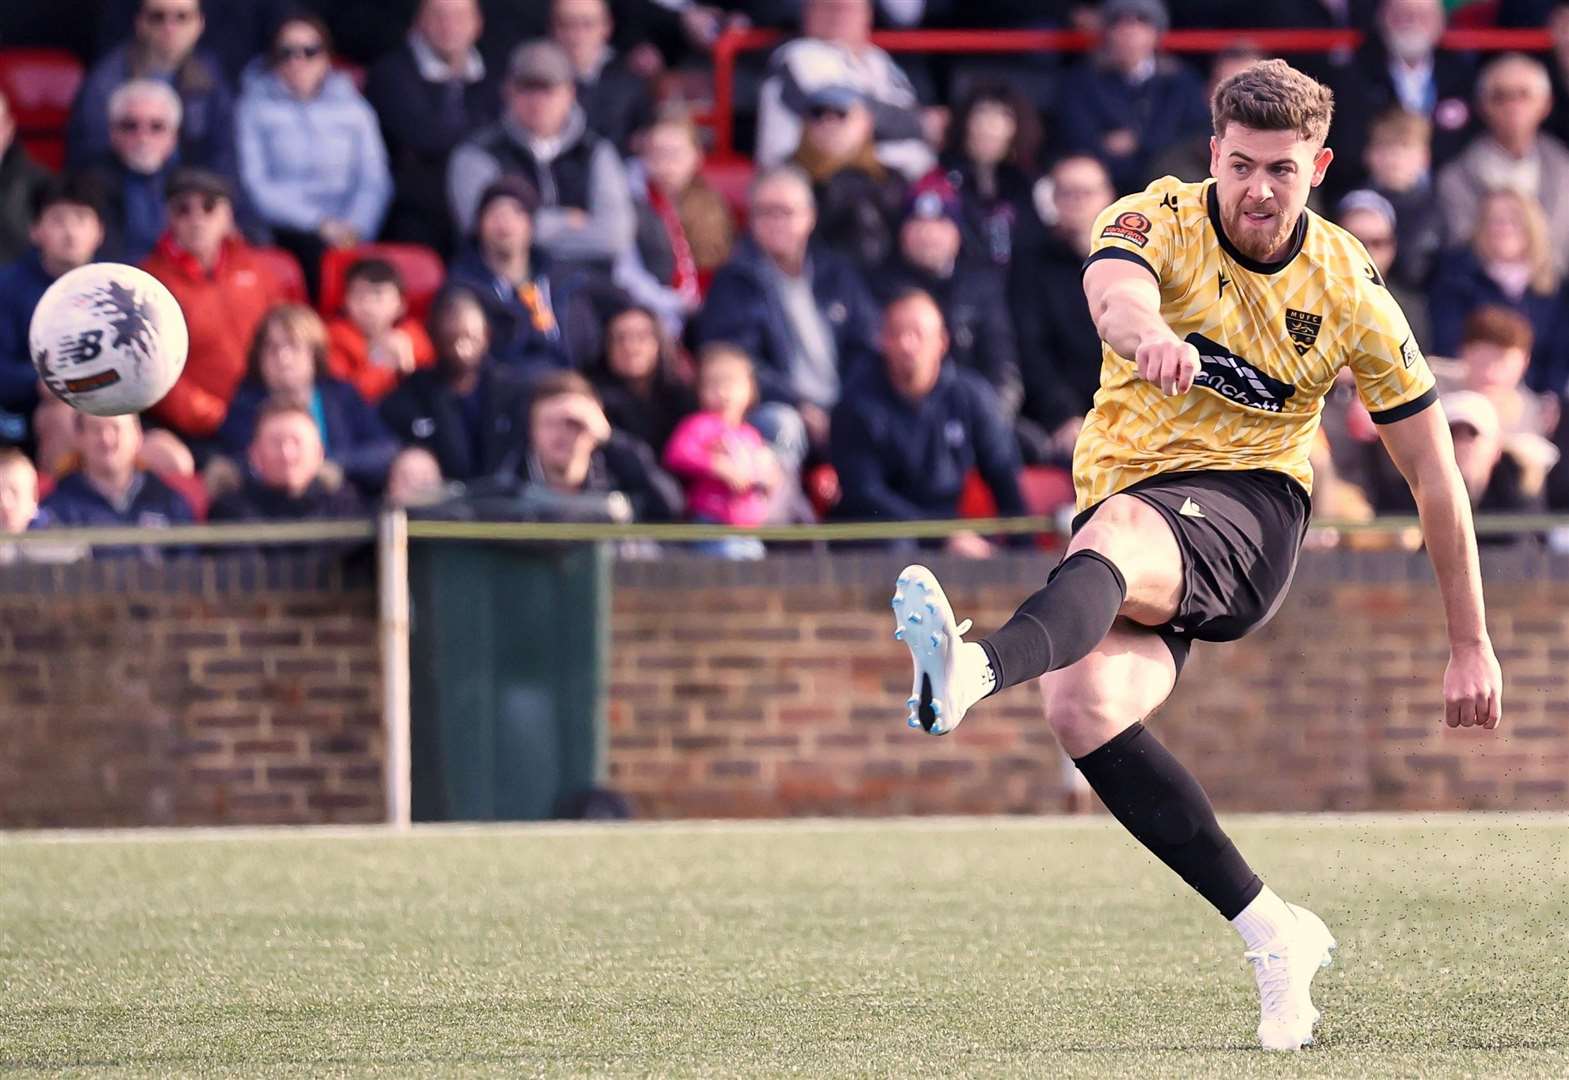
39,85
420,267
731,177
1045,491
192,488
286,268
822,488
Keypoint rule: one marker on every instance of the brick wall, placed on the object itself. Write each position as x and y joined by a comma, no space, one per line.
220,692
194,693
776,689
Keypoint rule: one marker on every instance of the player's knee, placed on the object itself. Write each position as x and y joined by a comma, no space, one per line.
1080,720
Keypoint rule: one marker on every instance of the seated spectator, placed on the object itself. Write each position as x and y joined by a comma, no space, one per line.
730,475
1368,216
971,292
1398,162
835,49
20,179
288,365
18,497
310,153
234,38
1515,98
572,452
1503,474
616,100
906,439
1059,348
287,479
800,311
144,134
991,159
1495,352
431,94
67,230
1400,65
1130,102
511,278
1189,160
1509,263
858,200
636,378
162,47
110,488
375,342
223,288
414,480
466,409
684,229
585,213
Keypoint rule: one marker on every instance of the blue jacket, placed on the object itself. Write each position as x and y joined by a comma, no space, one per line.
76,504
305,162
1166,108
515,338
135,210
22,284
1460,286
354,435
899,460
743,309
206,125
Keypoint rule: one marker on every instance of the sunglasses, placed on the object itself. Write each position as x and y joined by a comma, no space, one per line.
163,16
132,126
823,112
1511,93
204,204
285,53
533,86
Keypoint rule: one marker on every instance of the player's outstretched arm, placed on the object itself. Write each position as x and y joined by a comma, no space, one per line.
1124,299
1421,448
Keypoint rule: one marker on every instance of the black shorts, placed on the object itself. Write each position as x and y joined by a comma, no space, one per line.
1239,534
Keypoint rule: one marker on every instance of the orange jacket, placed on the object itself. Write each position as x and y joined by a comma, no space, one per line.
348,357
222,310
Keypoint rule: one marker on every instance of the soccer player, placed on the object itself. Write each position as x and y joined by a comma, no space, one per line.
1226,308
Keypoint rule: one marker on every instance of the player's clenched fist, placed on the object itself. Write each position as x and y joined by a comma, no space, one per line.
1171,365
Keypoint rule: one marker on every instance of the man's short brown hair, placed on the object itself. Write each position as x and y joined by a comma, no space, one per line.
1400,126
1493,324
1271,95
560,384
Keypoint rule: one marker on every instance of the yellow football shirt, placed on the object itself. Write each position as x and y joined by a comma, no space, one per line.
1271,337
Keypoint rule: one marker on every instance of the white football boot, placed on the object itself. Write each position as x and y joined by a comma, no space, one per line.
1284,969
949,677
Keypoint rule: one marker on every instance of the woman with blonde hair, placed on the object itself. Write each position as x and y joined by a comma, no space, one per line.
1509,263
288,365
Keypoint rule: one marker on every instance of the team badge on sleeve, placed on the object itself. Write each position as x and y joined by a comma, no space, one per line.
1131,226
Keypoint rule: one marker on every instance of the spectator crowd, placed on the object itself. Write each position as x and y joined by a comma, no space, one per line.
481,266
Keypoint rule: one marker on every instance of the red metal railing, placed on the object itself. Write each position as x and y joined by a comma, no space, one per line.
734,42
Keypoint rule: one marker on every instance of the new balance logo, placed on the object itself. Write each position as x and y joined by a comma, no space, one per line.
1190,508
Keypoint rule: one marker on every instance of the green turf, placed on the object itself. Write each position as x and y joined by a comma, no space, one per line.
1006,948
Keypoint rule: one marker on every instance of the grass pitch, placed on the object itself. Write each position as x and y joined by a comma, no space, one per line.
930,948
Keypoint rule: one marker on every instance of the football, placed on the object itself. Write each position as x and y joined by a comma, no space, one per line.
108,339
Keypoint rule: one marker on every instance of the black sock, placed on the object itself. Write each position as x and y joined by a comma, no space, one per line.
1061,623
1163,806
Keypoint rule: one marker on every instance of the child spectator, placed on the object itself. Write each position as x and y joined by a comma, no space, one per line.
414,479
287,364
642,392
375,342
729,474
286,481
1399,161
18,496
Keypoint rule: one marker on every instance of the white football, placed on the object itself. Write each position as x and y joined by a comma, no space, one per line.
108,339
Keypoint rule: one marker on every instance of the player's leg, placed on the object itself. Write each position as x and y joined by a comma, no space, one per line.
1123,561
1097,707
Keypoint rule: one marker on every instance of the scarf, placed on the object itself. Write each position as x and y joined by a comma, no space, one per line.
684,280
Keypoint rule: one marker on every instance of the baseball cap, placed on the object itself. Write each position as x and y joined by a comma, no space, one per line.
932,199
543,63
1472,409
837,96
1151,11
197,182
1363,199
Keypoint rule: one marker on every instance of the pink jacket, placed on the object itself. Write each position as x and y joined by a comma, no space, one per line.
689,454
